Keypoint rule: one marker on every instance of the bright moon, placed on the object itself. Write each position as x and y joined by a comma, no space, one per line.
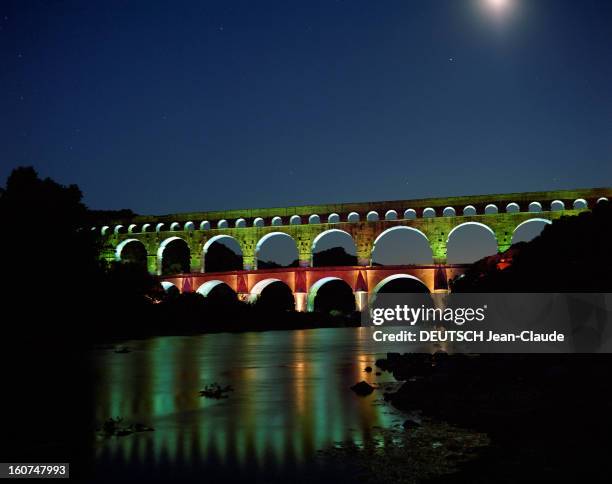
498,8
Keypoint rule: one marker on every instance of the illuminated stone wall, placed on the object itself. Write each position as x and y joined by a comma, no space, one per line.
435,218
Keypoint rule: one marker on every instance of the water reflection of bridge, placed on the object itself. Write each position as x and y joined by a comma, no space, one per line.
291,398
305,282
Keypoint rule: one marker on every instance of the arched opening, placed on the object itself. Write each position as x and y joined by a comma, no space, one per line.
170,289
222,224
391,215
175,226
119,229
557,205
429,213
272,295
276,221
469,211
602,199
333,247
372,216
217,291
469,242
513,207
314,219
449,212
331,294
410,214
491,209
295,220
131,251
205,225
401,246
240,223
104,230
222,253
400,283
159,227
258,222
146,228
529,229
173,256
132,228
535,207
580,204
333,218
353,217
189,226
276,249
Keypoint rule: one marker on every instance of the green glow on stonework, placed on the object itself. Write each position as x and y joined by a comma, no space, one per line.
436,230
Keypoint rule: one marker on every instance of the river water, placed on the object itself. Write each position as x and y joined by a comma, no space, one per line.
291,398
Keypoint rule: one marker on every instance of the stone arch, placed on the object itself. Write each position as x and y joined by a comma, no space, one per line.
276,221
602,199
175,226
258,288
491,209
189,226
206,288
350,250
273,295
169,288
352,217
429,212
391,215
535,207
145,227
222,224
214,265
372,216
557,205
314,290
469,211
410,214
580,204
259,222
159,227
268,236
131,228
449,212
295,220
421,237
240,223
333,218
118,229
475,249
139,258
513,207
204,225
518,236
395,277
326,232
104,230
314,219
181,264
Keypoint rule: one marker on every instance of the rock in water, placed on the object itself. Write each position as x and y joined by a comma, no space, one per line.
362,388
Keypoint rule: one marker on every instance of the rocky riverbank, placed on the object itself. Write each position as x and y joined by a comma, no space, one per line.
548,417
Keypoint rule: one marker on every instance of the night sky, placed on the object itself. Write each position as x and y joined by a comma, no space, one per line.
181,106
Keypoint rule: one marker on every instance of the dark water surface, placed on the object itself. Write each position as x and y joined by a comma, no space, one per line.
291,399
